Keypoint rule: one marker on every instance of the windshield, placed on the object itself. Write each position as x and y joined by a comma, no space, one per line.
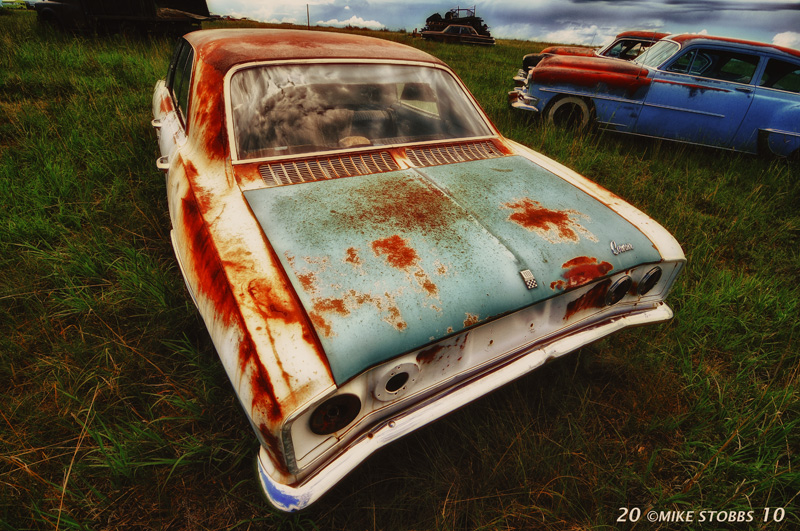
288,109
657,54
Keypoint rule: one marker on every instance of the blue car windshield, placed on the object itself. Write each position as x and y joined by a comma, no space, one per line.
280,110
657,54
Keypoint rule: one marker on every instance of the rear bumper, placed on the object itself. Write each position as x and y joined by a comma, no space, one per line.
296,497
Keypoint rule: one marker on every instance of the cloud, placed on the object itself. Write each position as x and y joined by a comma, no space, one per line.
587,35
352,21
789,39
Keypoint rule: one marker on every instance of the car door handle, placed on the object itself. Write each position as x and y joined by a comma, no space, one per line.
162,163
156,123
746,90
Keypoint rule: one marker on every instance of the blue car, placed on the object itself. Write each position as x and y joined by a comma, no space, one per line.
713,91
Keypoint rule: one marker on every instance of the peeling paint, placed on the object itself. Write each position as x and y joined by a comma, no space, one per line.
580,271
555,226
471,320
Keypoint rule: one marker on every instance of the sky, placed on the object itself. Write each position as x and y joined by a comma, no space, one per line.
587,22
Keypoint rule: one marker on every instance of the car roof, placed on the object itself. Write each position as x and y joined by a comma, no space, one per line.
686,39
641,34
225,48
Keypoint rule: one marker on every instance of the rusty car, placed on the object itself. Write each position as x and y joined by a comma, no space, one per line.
627,46
459,34
699,89
368,252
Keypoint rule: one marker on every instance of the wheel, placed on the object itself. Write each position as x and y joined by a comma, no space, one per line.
571,112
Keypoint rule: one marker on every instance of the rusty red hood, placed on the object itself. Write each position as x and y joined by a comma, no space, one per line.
599,73
387,263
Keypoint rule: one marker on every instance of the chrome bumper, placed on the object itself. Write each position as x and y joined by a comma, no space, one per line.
519,100
296,497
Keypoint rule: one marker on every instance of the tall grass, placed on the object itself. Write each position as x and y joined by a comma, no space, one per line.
115,412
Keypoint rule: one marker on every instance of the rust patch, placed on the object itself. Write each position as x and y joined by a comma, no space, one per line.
594,298
352,300
429,354
319,322
397,252
470,321
308,281
580,271
331,305
425,282
351,257
399,255
555,226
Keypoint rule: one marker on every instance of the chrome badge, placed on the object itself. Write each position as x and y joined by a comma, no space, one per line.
527,276
621,248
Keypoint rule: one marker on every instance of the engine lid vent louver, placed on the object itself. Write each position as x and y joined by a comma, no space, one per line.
450,153
302,171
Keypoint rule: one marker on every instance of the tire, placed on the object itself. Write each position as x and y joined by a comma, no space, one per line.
570,112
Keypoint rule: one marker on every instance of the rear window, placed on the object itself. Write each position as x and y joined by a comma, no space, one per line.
287,109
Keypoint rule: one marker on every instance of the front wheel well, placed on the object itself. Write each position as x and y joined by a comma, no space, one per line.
573,112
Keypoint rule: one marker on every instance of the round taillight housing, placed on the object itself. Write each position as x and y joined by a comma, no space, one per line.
334,414
649,280
618,290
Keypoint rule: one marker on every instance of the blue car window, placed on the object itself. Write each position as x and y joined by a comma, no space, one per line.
728,66
682,63
781,75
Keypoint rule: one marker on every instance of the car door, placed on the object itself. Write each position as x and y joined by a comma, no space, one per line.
700,96
172,104
773,121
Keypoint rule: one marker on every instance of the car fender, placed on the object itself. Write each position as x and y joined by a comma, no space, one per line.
782,137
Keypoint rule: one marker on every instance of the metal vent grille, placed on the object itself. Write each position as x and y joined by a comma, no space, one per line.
302,171
449,153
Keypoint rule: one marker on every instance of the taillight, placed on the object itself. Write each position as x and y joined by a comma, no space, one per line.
334,414
649,280
618,290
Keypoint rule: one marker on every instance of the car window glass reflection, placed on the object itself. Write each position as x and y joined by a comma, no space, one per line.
289,109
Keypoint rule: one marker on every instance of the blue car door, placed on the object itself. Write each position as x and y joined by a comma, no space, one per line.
701,96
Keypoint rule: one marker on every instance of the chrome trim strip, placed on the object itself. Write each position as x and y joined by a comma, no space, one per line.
781,132
681,109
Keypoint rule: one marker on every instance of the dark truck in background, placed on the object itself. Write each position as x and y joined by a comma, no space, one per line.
125,16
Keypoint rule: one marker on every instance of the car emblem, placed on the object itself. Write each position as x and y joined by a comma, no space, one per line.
527,276
620,248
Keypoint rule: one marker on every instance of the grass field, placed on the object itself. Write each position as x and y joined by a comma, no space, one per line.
116,413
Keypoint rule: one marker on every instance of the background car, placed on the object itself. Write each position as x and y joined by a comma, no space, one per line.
368,252
455,33
713,91
627,45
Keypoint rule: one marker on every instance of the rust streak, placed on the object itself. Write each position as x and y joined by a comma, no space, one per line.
275,454
429,354
594,298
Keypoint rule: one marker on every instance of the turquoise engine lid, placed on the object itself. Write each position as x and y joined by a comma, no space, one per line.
387,263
